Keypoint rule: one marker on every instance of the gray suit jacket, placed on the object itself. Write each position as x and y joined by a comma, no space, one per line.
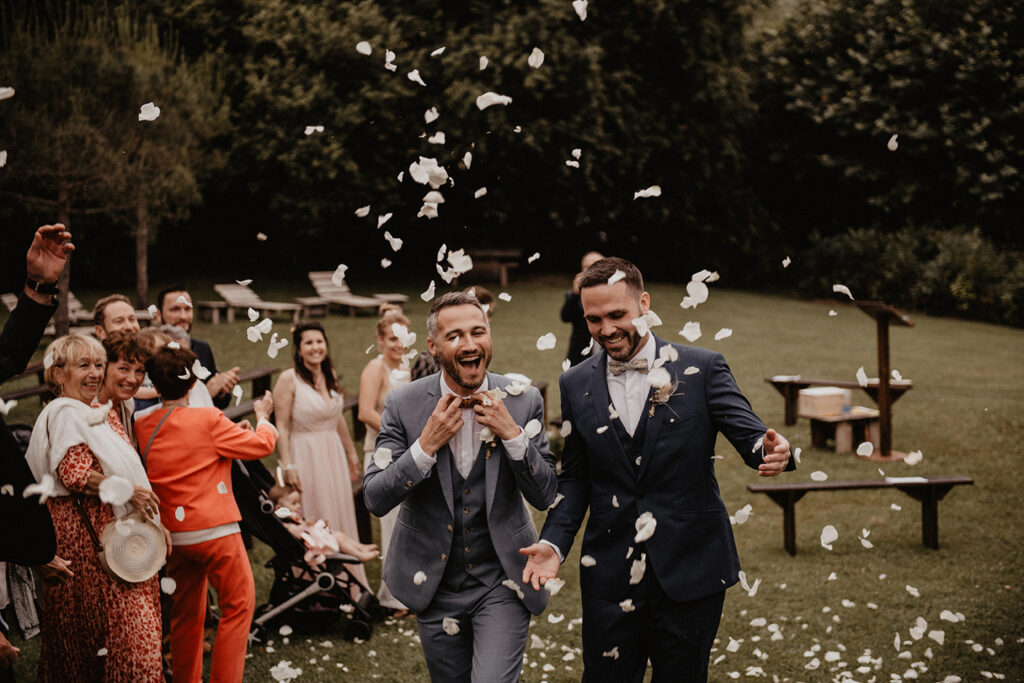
423,533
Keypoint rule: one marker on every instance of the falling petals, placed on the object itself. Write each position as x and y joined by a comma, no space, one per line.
275,345
385,263
913,458
645,526
587,561
652,191
437,138
450,626
148,111
819,476
179,513
381,220
533,257
382,457
546,342
842,289
200,371
395,242
438,52
168,585
489,99
532,428
536,58
389,61
418,578
553,585
45,489
690,331
785,262
514,587
116,490
862,377
893,143
637,570
431,115
828,536
723,333
865,449
313,129
426,171
580,6
363,48
566,429
483,63
627,605
237,393
414,76
7,92
480,193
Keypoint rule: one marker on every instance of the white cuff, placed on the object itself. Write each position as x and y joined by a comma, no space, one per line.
516,446
264,421
559,552
423,461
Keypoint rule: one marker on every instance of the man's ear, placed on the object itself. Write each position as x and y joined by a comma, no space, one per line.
645,303
99,331
431,347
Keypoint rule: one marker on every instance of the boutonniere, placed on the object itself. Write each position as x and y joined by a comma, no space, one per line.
488,437
661,380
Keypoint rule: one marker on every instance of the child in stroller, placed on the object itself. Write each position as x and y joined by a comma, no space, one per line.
308,597
317,536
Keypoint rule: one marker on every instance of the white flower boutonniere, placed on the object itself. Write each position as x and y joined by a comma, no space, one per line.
664,387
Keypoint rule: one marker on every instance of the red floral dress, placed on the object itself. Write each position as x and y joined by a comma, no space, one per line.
94,627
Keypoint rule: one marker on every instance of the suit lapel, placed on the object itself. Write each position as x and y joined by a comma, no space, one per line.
654,421
491,462
443,469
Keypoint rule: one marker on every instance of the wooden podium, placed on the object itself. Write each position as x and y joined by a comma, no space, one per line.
884,315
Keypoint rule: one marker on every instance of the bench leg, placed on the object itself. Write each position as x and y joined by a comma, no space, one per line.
820,432
791,395
874,433
231,314
844,437
787,501
930,519
215,316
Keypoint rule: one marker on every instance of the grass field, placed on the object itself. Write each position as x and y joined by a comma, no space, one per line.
821,615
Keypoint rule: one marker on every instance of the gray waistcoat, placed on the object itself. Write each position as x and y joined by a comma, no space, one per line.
472,558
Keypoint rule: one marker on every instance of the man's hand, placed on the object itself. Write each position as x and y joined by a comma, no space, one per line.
8,653
495,416
48,253
542,564
263,406
57,569
443,424
776,454
223,382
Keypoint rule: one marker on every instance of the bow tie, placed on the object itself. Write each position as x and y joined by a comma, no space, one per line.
617,367
468,403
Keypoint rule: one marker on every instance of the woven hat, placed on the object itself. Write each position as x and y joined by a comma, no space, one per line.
133,548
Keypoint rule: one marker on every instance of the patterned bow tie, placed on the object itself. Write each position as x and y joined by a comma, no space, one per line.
617,367
468,403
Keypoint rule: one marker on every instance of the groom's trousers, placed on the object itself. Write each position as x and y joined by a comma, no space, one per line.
675,636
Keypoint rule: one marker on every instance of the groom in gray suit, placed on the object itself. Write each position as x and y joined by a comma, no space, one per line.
458,451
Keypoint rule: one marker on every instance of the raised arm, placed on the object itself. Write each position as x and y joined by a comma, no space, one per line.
284,397
369,394
232,441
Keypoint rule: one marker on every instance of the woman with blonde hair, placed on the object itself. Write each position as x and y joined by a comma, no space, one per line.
388,370
94,627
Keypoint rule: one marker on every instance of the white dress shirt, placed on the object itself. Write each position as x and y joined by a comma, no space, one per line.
465,443
629,391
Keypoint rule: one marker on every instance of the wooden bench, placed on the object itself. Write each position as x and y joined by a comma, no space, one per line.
860,424
210,310
241,297
496,261
261,379
928,490
790,385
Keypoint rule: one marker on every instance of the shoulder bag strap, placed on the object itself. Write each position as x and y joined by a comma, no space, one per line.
80,506
145,452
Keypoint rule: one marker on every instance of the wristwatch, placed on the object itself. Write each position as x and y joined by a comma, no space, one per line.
41,287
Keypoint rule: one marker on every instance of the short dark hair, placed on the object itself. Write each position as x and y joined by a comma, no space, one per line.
121,345
168,290
448,300
99,313
602,271
326,366
167,366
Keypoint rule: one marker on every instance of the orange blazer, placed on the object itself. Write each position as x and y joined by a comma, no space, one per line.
189,464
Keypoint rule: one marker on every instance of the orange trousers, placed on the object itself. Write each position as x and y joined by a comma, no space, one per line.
224,564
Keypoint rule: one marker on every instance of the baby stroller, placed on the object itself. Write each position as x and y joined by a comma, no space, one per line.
309,599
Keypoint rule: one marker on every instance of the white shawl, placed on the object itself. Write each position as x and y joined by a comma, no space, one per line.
63,424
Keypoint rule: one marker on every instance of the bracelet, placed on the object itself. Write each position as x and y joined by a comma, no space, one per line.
41,287
286,468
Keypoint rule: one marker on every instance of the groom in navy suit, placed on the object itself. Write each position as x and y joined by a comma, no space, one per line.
658,551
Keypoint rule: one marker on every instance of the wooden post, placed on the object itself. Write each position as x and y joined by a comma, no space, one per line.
884,398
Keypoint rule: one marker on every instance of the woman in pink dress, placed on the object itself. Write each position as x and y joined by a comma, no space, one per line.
316,451
94,627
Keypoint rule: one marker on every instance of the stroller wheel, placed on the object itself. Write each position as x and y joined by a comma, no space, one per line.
358,629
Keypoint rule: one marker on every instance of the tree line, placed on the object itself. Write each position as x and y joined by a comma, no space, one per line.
769,132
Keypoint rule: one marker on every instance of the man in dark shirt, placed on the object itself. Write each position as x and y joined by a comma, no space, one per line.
26,533
174,307
572,313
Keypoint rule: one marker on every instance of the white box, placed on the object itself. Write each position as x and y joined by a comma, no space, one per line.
823,401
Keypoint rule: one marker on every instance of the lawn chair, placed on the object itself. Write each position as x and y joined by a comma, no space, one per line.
240,296
341,295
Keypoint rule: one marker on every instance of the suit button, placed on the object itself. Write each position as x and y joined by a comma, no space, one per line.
467,550
466,491
469,565
408,484
468,530
444,557
465,511
449,528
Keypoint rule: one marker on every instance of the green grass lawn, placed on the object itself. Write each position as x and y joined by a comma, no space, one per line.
818,614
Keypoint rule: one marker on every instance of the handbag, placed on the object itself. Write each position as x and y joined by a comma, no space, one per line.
132,549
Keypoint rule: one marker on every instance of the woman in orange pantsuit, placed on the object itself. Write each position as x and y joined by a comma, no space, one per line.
188,453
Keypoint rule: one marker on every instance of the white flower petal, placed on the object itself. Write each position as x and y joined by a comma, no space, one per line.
616,276
450,626
893,143
489,99
179,513
566,429
587,561
148,112
168,585
723,333
627,605
199,371
533,257
638,569
690,331
467,160
309,130
645,526
602,429
382,457
913,457
363,48
505,296
395,242
532,428
862,377
261,237
659,377
865,449
480,192
652,191
692,370
819,476
438,52
418,578
6,92
414,76
785,262
514,587
116,490
546,342
381,220
828,536
580,6
536,58
431,115
842,289
483,63
385,263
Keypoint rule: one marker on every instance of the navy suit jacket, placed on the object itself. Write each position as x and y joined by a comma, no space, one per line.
692,551
26,532
422,537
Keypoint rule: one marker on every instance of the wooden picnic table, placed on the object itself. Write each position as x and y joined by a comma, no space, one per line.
790,385
928,490
500,261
